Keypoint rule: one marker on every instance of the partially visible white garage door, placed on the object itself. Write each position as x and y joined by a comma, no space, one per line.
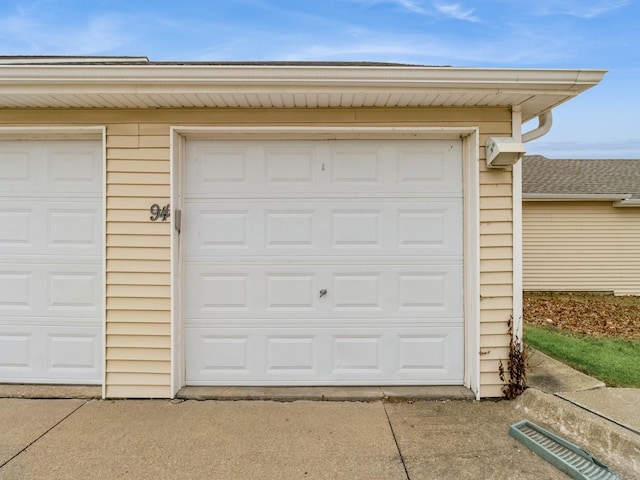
323,262
51,261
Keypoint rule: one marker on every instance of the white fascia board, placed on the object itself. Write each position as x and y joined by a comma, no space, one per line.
560,197
141,77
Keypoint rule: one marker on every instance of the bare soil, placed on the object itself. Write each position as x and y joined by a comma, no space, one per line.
583,313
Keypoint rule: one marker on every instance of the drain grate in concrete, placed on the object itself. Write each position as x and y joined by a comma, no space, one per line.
565,456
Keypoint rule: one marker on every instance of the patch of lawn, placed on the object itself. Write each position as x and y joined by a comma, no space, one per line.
615,362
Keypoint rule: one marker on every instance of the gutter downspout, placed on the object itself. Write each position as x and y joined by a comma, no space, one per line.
545,120
516,208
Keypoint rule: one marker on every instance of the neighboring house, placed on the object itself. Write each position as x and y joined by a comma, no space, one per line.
171,224
581,225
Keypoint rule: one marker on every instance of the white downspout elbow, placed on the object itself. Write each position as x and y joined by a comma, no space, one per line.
545,121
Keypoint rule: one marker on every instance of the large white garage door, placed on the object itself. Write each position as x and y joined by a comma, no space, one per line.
323,262
50,261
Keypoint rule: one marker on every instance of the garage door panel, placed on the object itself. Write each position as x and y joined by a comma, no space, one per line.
51,254
73,292
267,291
61,354
16,232
323,262
51,291
15,289
17,166
290,228
50,227
343,166
36,169
323,356
340,227
15,349
74,230
291,165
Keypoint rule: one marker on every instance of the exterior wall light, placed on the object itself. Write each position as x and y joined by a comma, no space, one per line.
504,152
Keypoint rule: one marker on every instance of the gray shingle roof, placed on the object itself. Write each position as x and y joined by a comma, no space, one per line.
541,175
98,60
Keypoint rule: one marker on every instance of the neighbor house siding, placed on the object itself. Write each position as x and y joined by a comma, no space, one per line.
138,355
581,246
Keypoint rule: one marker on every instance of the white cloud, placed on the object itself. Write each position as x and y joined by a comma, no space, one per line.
579,8
412,6
449,10
524,49
409,5
456,11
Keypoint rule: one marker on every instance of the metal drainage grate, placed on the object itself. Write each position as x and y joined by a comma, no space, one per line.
565,456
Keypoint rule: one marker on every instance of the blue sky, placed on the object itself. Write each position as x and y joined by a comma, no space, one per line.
600,123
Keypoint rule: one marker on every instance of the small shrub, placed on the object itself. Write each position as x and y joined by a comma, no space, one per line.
515,376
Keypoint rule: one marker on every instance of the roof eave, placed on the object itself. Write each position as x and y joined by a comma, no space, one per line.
542,89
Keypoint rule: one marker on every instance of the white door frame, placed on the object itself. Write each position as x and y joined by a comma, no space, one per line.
471,213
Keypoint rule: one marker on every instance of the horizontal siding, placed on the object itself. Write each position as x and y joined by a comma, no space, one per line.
132,366
118,340
133,253
138,166
496,274
136,353
493,290
134,202
137,303
138,330
145,266
148,241
496,278
137,291
139,391
125,279
581,246
137,379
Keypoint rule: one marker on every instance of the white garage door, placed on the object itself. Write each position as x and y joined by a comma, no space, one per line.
323,262
50,261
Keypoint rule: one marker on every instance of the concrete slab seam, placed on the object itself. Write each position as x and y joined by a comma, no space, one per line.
393,433
43,434
584,407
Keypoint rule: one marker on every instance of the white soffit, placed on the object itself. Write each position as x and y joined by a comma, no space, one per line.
160,85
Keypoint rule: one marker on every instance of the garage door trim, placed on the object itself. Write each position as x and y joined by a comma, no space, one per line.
471,213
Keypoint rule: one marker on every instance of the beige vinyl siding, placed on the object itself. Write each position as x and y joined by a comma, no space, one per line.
496,271
138,316
581,246
138,264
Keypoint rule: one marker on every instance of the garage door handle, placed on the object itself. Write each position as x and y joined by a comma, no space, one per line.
323,292
177,220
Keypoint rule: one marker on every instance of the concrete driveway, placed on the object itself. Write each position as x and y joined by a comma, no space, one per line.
158,439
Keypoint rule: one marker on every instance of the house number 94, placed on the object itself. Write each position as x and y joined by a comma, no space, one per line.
159,212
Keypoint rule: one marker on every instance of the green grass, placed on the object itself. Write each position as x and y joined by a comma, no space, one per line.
615,362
